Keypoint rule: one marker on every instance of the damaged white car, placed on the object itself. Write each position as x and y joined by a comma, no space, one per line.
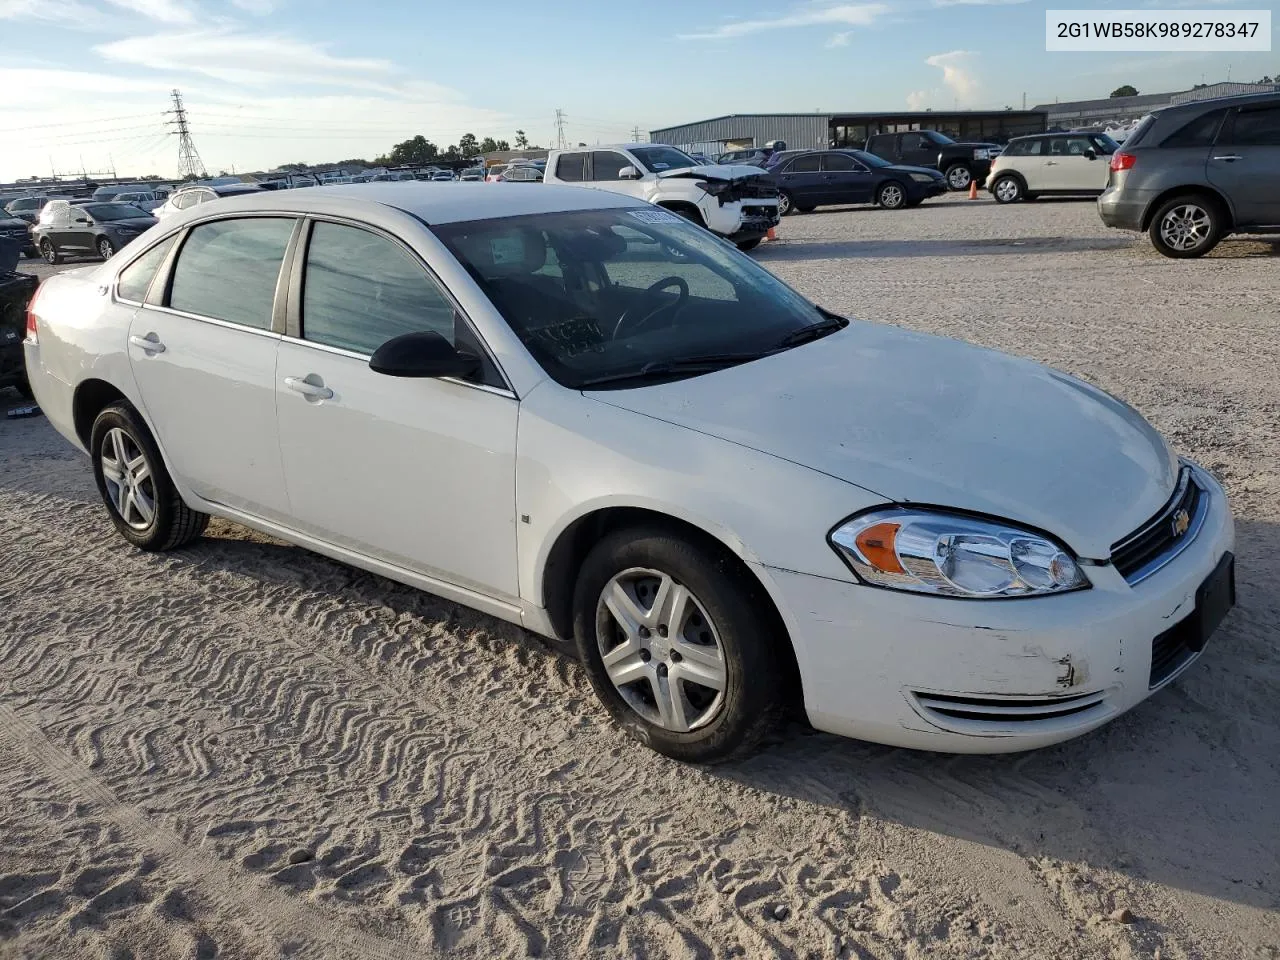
738,202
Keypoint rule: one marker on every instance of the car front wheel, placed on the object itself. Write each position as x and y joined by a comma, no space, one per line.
1008,189
1186,227
50,252
891,195
679,645
131,476
959,177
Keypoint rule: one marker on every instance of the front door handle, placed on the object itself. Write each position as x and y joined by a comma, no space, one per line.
316,391
1051,163
1230,157
150,343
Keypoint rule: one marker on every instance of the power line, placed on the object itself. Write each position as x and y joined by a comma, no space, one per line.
77,123
189,163
560,144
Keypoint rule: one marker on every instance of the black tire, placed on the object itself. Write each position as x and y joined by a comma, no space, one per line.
50,252
754,695
959,176
806,209
786,204
1009,189
748,245
1206,210
174,524
892,195
106,249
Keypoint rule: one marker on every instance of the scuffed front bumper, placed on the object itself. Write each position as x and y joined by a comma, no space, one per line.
990,676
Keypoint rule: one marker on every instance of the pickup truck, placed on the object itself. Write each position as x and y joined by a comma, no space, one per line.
960,163
740,203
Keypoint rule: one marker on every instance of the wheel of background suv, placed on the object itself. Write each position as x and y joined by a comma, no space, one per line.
1186,226
1008,189
133,481
891,195
746,245
958,177
106,249
678,645
786,205
50,252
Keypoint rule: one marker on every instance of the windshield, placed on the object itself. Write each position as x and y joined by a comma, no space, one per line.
599,294
937,137
870,159
657,159
114,211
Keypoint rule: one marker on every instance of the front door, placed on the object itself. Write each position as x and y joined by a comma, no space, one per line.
847,180
1245,165
416,472
204,357
917,150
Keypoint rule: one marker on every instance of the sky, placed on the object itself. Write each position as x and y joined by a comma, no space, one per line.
87,82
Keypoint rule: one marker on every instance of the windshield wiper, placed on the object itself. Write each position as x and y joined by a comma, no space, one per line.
814,331
661,369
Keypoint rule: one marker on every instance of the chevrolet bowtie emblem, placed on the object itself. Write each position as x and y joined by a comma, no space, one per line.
1181,523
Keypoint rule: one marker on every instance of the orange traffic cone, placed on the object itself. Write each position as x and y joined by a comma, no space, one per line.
771,234
973,189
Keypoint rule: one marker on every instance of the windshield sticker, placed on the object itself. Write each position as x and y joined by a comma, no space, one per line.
506,250
654,216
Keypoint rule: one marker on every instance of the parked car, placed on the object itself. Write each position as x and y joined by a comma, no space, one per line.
756,156
143,199
86,230
109,192
472,175
739,203
1194,173
494,174
188,197
1051,164
823,177
15,292
443,176
524,173
960,163
18,231
679,474
27,208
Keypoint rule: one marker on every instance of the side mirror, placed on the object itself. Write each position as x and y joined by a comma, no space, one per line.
628,173
1091,153
424,354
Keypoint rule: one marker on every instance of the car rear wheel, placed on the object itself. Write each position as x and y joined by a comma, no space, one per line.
786,205
1185,227
131,476
50,252
678,644
959,177
1008,189
106,249
891,196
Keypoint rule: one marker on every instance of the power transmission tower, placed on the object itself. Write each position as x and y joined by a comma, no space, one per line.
190,166
635,134
560,144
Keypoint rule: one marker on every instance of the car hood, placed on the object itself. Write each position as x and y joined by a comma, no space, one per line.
930,420
907,168
12,223
714,171
137,223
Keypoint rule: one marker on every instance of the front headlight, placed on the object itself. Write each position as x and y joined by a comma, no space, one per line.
923,551
923,178
982,154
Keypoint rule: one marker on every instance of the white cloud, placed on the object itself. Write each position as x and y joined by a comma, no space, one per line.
259,7
977,3
848,14
958,79
166,11
918,99
840,39
53,11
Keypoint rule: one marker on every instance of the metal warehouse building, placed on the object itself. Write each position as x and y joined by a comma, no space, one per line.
739,131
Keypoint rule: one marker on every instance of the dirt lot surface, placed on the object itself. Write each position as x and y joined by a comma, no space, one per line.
244,750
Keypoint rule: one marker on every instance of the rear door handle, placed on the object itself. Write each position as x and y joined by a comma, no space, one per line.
1051,163
308,389
151,343
1230,158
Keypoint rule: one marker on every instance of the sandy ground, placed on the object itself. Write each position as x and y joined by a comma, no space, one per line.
244,750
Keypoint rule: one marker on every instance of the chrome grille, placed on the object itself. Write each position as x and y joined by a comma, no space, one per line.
1165,535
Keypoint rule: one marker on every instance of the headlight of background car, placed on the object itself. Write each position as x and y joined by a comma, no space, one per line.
982,154
922,178
953,556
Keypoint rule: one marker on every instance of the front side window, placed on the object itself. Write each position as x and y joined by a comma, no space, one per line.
915,141
136,278
841,163
657,159
228,270
605,164
1257,128
572,167
634,290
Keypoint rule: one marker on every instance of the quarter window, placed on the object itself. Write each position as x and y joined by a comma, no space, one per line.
1199,132
135,279
1257,128
228,270
572,167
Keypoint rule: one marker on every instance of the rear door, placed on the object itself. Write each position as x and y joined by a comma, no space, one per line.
1245,164
802,178
845,179
885,146
203,351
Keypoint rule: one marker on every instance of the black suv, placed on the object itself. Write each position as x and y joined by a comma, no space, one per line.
960,163
1193,173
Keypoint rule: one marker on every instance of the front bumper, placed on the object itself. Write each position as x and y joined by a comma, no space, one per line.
990,676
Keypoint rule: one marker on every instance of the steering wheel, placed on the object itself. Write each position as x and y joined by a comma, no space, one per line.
663,284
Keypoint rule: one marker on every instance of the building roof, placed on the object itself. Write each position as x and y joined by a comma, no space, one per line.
432,202
1153,101
830,114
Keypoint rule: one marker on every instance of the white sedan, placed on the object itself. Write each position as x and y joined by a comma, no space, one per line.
587,416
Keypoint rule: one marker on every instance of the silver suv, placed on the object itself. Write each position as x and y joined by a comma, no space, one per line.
1194,173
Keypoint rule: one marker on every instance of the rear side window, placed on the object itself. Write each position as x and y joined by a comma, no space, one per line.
1199,132
136,278
805,164
228,270
572,167
1257,128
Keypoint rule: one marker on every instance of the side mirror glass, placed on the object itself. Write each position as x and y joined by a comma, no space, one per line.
628,173
423,354
1091,153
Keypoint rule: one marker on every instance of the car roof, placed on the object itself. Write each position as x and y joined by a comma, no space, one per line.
1217,103
465,201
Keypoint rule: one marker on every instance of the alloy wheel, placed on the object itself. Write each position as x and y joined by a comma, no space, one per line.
891,196
958,178
1186,227
661,650
1007,190
105,249
46,250
130,485
784,204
